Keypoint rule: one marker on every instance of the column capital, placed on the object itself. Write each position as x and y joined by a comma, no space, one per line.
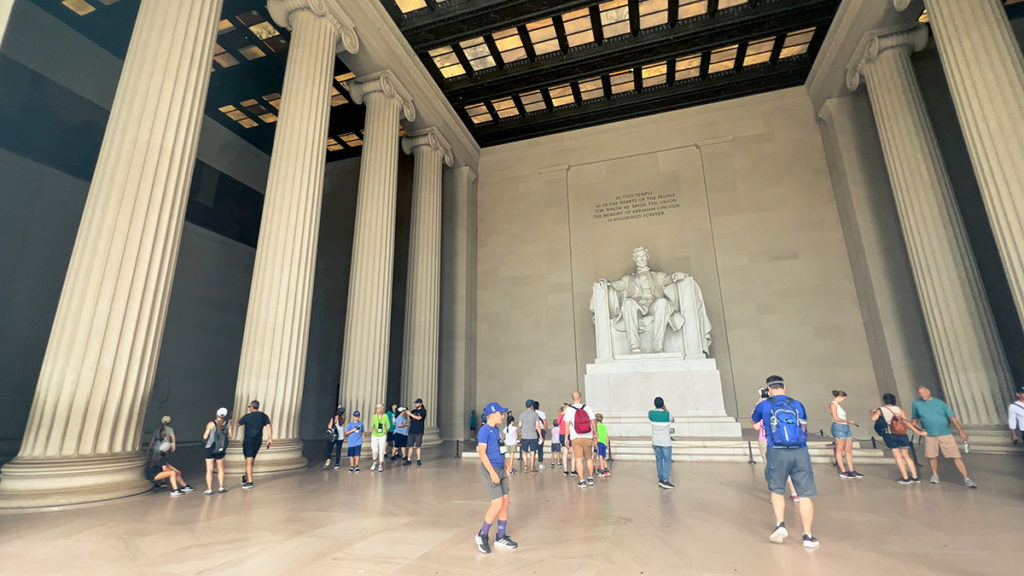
430,137
386,83
282,10
877,41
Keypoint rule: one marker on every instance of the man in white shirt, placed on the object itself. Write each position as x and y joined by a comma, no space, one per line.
583,433
1016,414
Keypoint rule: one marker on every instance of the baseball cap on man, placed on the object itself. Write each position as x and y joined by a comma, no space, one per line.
165,420
1020,389
419,400
494,407
222,412
401,408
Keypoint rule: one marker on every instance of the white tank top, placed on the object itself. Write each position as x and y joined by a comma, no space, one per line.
840,413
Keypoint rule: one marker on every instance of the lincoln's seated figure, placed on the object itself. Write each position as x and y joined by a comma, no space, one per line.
650,312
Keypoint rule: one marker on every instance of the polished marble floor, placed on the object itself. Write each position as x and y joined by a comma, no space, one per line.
421,520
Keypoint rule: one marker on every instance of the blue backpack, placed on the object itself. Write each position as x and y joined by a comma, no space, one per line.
787,428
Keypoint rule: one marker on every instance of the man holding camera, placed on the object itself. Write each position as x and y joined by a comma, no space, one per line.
787,457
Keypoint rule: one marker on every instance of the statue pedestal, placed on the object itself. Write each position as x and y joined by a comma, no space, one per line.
624,390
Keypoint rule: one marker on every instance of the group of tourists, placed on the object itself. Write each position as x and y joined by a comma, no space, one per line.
394,434
782,422
216,435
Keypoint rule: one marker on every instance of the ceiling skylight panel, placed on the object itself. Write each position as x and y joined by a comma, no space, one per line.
654,74
796,43
543,36
759,52
407,6
723,59
622,81
653,13
447,62
615,18
591,89
505,107
333,146
478,54
510,45
688,67
561,95
692,8
478,113
722,4
533,101
578,30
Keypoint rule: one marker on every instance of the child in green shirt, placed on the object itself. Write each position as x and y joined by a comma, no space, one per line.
602,447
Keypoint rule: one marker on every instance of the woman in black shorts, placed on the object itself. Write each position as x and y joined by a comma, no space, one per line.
217,434
896,438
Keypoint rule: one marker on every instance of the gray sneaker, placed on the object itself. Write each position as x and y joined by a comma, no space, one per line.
779,534
970,483
935,479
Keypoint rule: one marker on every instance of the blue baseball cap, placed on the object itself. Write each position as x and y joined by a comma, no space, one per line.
356,414
494,407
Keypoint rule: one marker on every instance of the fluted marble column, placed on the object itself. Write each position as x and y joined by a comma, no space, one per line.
422,309
367,330
968,353
985,71
82,440
273,360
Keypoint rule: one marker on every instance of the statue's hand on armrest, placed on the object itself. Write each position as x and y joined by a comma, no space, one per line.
602,283
679,276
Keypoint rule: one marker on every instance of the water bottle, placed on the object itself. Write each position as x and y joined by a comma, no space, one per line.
967,448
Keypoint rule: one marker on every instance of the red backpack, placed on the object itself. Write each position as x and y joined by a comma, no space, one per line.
581,421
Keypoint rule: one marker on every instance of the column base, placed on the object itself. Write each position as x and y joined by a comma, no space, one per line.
431,436
48,482
282,455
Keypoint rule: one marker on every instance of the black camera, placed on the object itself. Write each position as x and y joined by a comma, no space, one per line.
764,393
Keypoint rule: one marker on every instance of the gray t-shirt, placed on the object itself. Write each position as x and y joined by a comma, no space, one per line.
528,420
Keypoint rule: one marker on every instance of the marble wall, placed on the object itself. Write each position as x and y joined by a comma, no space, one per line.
757,225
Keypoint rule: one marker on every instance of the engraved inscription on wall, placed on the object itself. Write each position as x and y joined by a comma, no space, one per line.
635,205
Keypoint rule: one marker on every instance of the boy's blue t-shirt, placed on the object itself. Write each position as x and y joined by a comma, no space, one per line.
401,425
763,413
490,436
934,415
357,438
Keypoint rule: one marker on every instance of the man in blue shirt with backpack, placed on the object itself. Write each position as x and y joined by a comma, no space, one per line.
785,421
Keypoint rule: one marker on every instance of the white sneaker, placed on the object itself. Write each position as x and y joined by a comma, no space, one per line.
779,534
373,467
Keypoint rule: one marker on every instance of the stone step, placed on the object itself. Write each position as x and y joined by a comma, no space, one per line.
729,450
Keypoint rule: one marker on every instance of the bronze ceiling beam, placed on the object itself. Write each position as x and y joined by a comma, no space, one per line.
696,35
752,80
453,21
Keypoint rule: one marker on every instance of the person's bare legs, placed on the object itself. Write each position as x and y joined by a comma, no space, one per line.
590,467
898,455
911,467
248,469
778,507
935,466
209,473
848,450
960,466
220,472
495,509
806,514
838,452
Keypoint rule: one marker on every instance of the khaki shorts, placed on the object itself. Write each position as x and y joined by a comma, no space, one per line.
933,444
583,448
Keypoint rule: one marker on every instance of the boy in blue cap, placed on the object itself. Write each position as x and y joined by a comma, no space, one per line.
494,472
